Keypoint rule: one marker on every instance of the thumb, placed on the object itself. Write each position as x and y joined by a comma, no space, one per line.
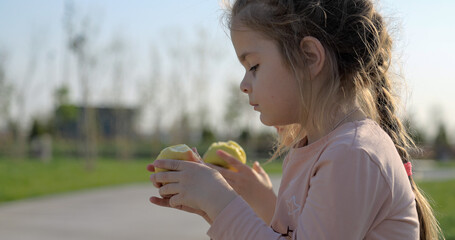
193,156
195,151
229,158
257,168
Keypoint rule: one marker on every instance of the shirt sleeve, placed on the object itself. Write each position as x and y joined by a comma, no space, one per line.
239,221
347,191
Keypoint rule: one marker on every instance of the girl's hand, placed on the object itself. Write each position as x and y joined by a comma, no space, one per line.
253,184
195,157
191,186
164,202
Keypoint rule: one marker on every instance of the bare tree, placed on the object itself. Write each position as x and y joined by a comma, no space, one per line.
6,89
236,110
117,50
204,54
68,27
180,95
200,84
178,91
24,88
80,43
156,85
151,92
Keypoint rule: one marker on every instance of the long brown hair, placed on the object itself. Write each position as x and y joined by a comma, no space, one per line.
358,47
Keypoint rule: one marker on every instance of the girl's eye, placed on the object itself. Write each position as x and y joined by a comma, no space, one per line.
254,68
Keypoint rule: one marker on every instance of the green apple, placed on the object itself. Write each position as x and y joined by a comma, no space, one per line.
177,152
231,147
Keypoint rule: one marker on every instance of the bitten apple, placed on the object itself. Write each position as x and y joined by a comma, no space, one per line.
177,152
231,147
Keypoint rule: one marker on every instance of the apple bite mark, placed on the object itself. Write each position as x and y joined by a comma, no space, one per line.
176,152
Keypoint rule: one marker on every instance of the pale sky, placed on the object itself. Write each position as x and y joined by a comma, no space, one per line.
424,43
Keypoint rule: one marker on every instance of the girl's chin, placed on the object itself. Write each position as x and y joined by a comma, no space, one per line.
276,122
267,121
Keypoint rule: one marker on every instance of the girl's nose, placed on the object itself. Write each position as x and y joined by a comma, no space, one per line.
245,86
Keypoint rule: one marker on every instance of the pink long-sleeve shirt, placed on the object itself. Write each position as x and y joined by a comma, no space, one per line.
350,184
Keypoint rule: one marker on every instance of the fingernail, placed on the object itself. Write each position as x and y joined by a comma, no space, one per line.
195,150
150,167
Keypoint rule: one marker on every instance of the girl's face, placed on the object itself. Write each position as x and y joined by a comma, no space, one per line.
271,87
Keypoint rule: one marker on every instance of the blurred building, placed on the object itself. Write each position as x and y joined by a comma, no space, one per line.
110,122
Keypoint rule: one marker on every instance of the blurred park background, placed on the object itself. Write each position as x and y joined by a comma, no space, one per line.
91,91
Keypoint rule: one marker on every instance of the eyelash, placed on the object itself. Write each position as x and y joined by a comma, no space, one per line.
254,68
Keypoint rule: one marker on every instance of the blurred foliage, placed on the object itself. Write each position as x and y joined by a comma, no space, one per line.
38,129
418,136
441,136
61,95
67,112
441,144
208,136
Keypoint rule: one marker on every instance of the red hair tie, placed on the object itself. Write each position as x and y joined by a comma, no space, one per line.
408,167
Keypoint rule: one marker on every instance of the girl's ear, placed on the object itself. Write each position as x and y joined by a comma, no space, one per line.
314,52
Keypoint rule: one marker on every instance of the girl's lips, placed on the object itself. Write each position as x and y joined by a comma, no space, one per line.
255,106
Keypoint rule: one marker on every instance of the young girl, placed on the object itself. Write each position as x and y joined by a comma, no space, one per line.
318,71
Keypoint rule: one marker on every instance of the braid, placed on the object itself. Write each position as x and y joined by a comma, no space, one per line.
429,228
389,122
376,65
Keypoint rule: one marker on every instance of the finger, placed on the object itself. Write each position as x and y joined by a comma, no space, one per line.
176,201
170,164
156,184
196,152
163,202
165,177
257,168
234,162
194,156
150,168
168,190
227,174
222,170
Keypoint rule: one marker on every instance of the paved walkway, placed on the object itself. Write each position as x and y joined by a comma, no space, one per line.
115,213
121,212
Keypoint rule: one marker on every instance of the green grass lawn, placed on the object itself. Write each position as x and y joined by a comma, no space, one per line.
442,198
31,178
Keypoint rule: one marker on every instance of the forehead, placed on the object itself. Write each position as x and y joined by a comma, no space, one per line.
246,40
244,36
